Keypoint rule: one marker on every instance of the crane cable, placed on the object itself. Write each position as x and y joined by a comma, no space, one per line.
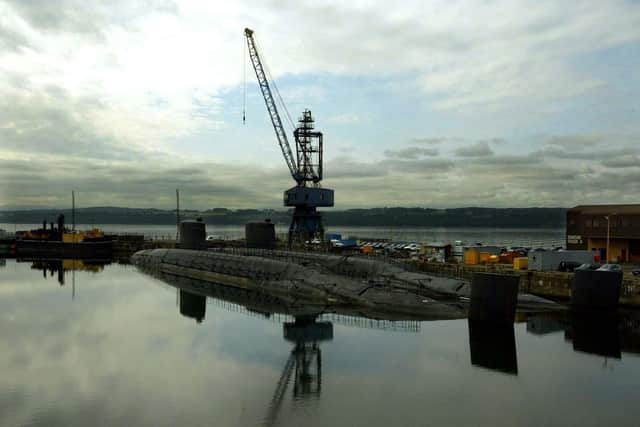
244,81
275,87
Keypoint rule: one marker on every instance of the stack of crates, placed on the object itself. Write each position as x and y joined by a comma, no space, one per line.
521,263
471,256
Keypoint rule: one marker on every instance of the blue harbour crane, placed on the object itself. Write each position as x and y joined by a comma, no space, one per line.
305,166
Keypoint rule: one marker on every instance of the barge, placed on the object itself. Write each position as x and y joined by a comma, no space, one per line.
62,243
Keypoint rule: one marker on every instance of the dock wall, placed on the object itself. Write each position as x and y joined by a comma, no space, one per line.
551,284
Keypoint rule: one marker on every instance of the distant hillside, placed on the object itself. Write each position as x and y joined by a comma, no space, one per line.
386,217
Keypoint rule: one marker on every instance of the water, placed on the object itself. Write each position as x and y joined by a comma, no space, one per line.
528,237
110,347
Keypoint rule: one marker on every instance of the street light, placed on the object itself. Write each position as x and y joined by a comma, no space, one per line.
607,217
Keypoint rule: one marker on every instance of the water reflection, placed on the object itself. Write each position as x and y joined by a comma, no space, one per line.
59,267
595,333
304,363
84,363
305,332
601,333
192,305
493,346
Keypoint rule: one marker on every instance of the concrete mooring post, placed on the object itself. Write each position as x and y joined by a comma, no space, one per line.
494,297
260,234
596,289
193,235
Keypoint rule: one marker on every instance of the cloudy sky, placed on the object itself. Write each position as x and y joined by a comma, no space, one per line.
435,104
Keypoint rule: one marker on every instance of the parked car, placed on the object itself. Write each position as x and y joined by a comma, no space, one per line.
587,267
568,266
636,271
611,267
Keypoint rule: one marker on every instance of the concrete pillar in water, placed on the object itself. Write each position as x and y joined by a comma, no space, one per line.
494,297
596,289
260,234
192,235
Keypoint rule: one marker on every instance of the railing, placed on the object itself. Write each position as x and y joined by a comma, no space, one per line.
339,319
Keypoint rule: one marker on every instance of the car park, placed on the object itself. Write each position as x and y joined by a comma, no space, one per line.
587,267
611,267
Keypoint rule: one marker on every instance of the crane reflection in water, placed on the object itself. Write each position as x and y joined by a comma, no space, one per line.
304,363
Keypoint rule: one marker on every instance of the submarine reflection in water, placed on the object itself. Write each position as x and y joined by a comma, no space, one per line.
192,305
493,346
305,359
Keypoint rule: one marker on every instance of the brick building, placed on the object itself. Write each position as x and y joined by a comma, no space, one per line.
587,229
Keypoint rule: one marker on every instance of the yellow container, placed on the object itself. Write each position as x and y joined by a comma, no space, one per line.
72,237
471,256
484,257
520,263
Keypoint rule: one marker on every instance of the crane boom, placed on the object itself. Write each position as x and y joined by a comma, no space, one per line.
271,106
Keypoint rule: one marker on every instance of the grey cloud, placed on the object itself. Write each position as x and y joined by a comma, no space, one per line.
428,166
427,140
47,183
12,40
51,123
587,153
347,167
411,153
350,168
622,162
505,161
64,15
479,149
86,18
497,141
574,141
434,140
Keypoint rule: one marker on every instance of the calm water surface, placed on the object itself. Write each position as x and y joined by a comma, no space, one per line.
530,237
109,346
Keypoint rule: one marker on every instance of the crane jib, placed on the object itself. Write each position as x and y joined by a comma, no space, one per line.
271,107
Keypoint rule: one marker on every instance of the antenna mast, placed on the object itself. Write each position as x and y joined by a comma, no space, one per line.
177,215
73,210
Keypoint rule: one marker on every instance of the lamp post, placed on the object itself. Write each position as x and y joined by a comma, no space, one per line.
608,235
608,218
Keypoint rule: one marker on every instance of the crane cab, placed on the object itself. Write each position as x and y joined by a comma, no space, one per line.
308,196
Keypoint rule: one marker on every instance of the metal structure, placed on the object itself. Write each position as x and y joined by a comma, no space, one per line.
305,167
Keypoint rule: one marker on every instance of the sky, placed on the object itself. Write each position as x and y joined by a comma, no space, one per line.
422,103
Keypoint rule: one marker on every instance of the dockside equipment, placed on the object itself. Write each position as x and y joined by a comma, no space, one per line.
305,167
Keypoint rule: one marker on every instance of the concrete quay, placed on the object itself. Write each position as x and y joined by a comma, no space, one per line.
547,284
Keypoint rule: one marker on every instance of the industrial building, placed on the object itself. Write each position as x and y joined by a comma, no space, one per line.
612,230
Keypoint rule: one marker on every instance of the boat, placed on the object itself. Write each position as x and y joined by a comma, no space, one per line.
61,242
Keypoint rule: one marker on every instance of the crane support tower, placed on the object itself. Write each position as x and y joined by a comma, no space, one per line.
305,168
